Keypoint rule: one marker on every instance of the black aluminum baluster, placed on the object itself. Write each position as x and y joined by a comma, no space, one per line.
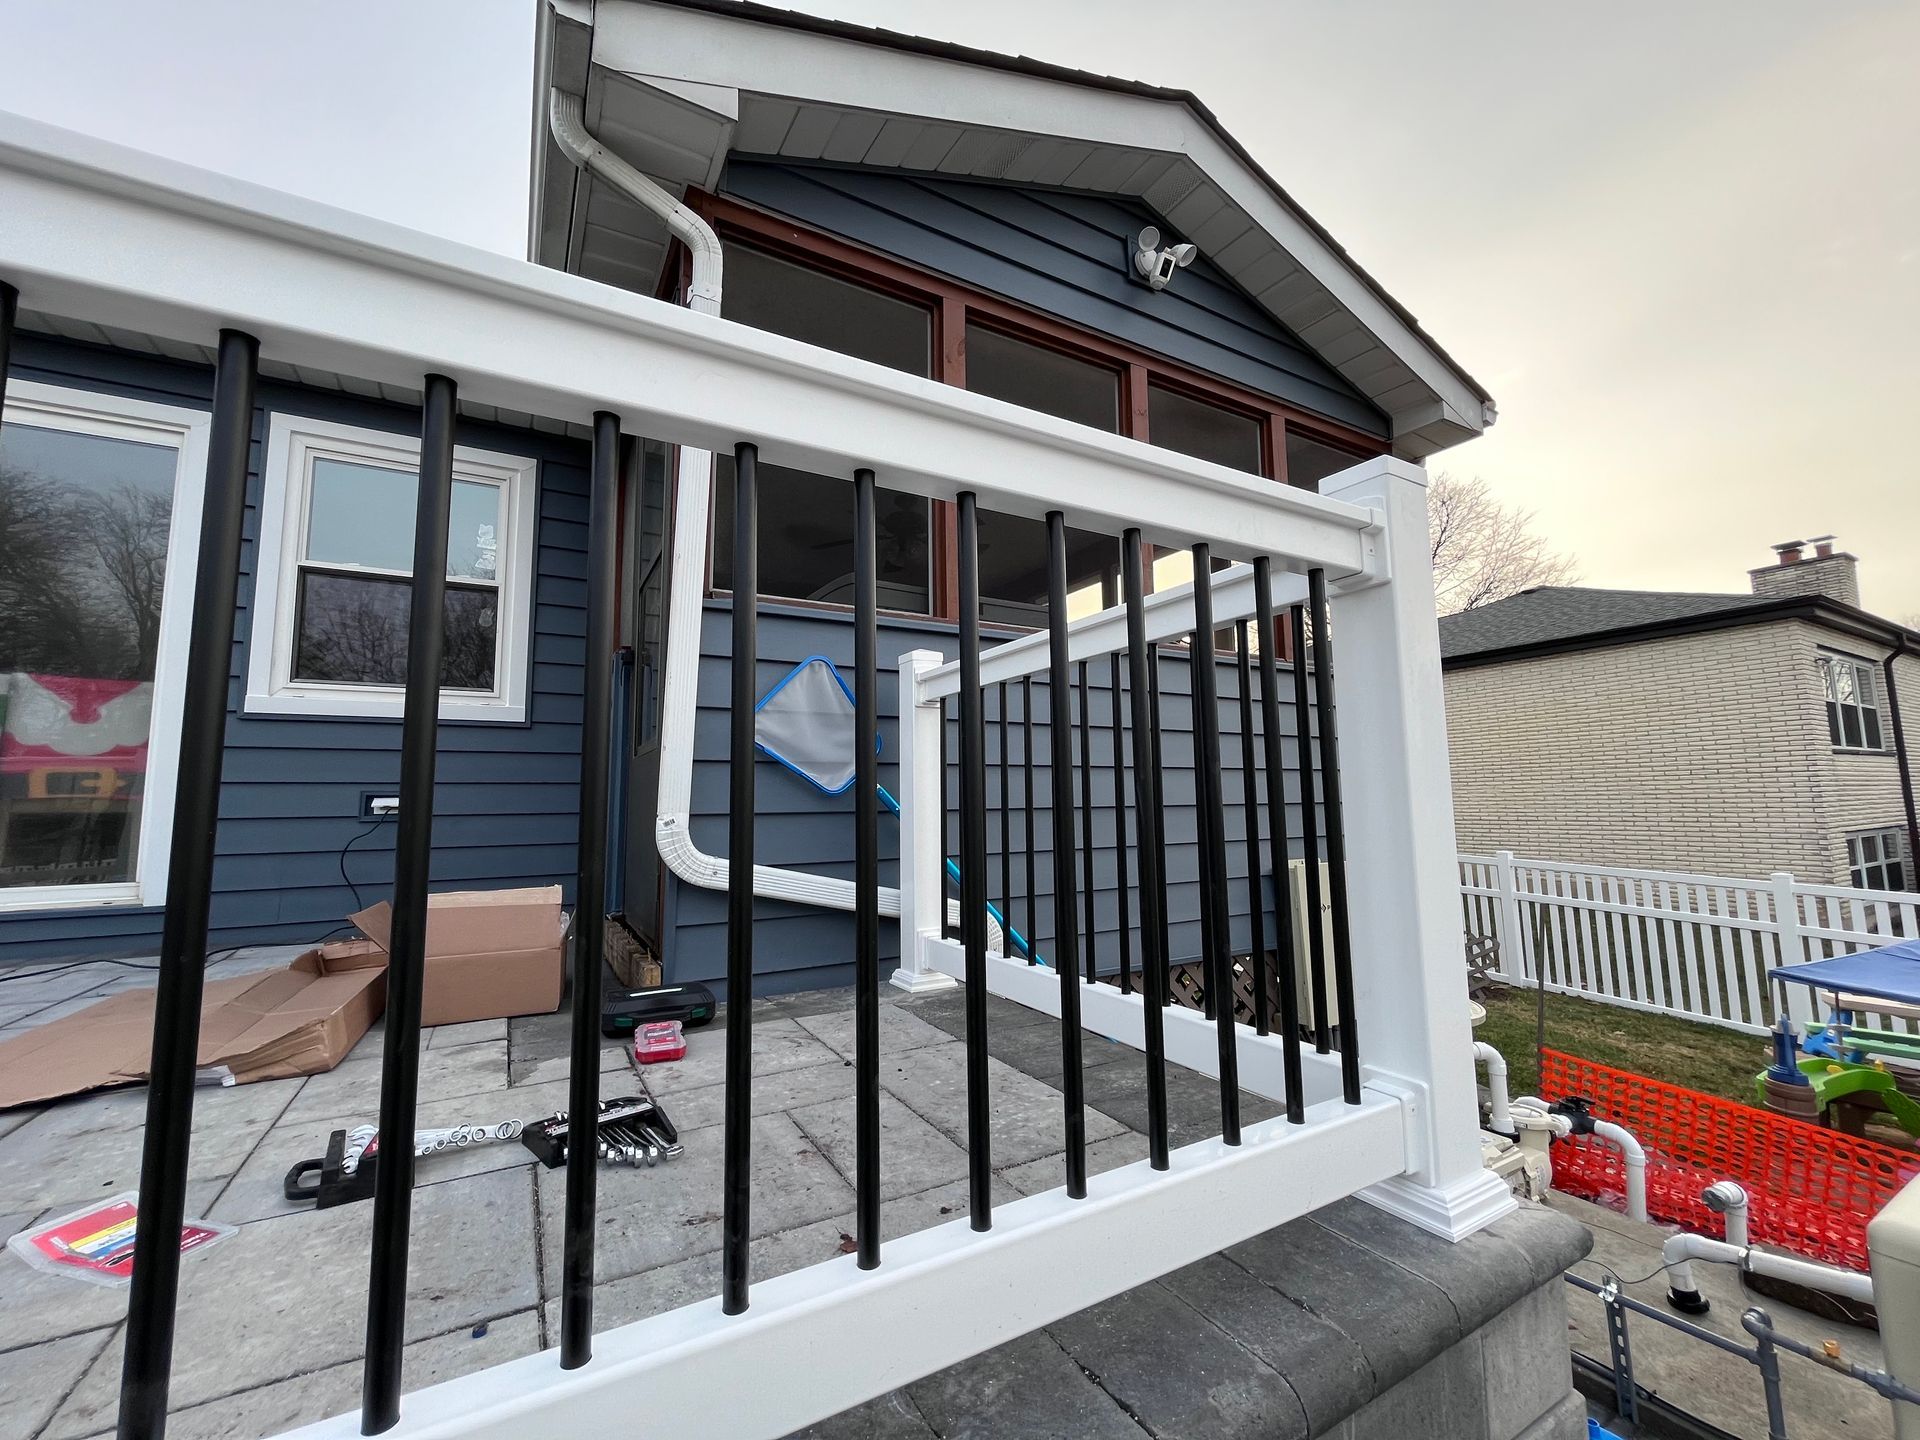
1066,948
1089,926
1158,751
9,311
1312,924
1250,791
590,928
1203,865
1213,894
1283,949
948,930
1153,888
406,951
1003,696
973,867
866,871
736,1182
147,1366
1336,837
1026,796
1122,881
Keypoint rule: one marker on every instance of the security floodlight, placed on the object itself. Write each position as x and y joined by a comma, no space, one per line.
1156,266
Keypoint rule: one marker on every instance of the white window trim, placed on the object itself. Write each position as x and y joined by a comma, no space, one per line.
1830,658
84,412
293,443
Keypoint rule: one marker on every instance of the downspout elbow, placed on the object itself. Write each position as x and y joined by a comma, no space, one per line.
567,119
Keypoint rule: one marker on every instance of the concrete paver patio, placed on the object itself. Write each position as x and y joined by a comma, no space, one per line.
487,1221
1282,1336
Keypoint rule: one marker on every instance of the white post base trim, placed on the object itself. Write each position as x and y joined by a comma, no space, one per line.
922,982
1453,1211
816,1341
1191,1039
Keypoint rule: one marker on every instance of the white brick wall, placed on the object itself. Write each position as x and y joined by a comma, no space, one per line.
1705,753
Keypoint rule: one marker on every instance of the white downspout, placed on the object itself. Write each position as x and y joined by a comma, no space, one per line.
673,830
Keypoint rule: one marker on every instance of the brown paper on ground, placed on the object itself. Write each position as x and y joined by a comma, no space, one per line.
489,953
297,1021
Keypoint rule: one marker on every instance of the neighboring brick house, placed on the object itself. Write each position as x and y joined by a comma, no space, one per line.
1713,734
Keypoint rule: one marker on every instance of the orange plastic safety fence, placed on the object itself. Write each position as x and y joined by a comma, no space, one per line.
1812,1190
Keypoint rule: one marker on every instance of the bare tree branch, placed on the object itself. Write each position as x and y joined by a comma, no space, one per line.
1482,550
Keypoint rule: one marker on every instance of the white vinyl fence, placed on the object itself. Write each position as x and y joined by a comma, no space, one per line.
1698,946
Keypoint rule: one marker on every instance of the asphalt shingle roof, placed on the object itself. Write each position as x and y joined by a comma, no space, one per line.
1570,612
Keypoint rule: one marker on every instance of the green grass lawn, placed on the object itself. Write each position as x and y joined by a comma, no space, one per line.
1678,1052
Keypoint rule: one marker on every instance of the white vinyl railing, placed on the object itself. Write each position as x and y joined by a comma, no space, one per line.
1702,947
106,243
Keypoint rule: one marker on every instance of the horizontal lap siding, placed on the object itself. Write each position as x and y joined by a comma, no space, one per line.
1061,254
506,797
798,827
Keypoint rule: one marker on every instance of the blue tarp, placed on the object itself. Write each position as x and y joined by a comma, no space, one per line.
1890,973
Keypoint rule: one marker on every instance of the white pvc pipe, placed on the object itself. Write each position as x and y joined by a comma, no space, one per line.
1632,1153
1636,1162
1500,1115
1730,1199
1680,1249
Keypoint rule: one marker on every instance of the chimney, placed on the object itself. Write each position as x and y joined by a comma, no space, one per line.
1826,572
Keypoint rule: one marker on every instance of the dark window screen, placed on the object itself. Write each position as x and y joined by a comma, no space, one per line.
1204,431
1309,462
806,520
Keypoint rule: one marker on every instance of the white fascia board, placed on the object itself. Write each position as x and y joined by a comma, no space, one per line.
774,60
103,233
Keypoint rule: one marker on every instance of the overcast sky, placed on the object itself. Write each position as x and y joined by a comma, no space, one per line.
1680,243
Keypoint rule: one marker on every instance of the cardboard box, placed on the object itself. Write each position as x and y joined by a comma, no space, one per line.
267,1026
490,953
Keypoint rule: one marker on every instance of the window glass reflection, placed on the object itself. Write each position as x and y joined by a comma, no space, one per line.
84,522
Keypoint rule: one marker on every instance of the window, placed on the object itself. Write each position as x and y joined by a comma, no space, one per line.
99,507
1310,461
1877,860
806,520
335,582
1853,707
1013,548
1202,430
828,292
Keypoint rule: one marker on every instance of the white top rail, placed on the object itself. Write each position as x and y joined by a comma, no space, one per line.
103,234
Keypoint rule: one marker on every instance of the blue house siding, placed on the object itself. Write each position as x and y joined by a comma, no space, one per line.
801,947
506,797
1062,254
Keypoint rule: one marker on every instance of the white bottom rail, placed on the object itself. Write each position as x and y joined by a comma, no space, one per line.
819,1340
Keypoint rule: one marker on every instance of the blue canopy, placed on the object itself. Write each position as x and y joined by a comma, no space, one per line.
1889,973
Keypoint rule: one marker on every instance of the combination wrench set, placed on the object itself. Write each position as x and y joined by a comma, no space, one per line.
632,1130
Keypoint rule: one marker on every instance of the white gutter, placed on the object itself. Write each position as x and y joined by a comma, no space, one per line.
673,828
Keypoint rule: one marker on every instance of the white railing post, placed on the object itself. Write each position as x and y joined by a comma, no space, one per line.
1514,964
923,890
1410,973
1793,951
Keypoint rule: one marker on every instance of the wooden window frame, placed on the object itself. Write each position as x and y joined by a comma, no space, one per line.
953,306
